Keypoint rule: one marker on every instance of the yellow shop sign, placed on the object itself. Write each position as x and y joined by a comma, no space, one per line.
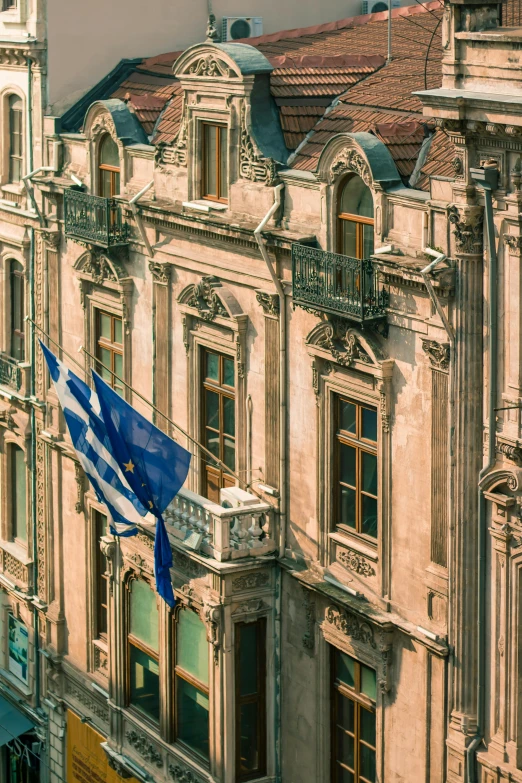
86,761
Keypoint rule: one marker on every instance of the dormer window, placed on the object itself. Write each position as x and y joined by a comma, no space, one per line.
355,218
108,168
215,163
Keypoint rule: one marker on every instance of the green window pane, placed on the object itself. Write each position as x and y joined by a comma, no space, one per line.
223,161
105,326
19,494
118,331
349,238
368,682
249,734
345,713
192,645
368,726
192,716
212,409
369,473
212,443
144,682
230,453
367,762
228,372
248,662
109,154
212,366
144,614
118,364
344,775
348,503
348,462
345,670
368,241
346,748
356,198
369,516
369,424
348,417
229,415
210,140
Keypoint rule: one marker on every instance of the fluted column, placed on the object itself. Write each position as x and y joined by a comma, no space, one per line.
467,451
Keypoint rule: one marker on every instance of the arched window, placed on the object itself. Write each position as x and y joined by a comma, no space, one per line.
16,138
108,168
355,218
16,286
18,503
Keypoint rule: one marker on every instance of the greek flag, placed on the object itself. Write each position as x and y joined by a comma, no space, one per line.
82,413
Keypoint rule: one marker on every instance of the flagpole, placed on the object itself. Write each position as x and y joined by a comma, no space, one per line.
148,402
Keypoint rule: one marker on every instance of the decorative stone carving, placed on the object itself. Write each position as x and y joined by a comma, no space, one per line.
438,354
146,540
212,31
100,267
103,123
250,607
309,607
160,272
350,161
212,618
354,561
350,625
342,342
458,165
269,302
385,414
205,299
191,568
6,418
141,563
210,67
76,692
514,243
468,229
101,661
118,767
174,154
80,487
240,363
52,239
182,774
41,528
15,568
511,451
252,164
250,581
14,56
186,343
142,744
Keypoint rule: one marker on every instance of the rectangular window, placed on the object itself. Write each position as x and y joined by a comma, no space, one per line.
100,577
143,650
17,291
215,162
18,494
356,467
191,700
109,349
219,421
354,691
250,688
16,139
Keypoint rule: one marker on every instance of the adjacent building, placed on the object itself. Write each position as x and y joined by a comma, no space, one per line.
305,258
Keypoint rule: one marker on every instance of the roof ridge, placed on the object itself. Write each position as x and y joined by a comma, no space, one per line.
350,21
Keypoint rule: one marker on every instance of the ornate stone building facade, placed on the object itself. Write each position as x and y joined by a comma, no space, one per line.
347,546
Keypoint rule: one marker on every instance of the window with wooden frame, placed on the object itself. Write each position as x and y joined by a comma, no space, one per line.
100,578
143,680
356,467
191,682
18,500
16,138
17,292
218,420
355,218
108,167
250,693
215,162
354,690
109,349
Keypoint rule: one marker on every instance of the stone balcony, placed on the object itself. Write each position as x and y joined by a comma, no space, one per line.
14,375
241,530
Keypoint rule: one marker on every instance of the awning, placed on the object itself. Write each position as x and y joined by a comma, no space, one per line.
12,722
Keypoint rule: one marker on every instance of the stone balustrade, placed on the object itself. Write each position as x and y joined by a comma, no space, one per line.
224,533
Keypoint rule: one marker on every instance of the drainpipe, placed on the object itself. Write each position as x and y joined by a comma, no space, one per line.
439,258
137,217
29,113
27,180
282,472
487,179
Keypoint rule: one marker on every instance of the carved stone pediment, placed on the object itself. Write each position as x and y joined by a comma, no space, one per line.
101,266
348,161
345,344
210,66
210,299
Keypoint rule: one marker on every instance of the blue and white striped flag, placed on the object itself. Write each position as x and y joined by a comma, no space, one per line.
81,409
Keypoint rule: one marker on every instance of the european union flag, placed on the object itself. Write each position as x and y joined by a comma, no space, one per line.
154,465
88,433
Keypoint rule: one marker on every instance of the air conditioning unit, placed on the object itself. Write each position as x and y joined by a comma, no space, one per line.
376,6
235,27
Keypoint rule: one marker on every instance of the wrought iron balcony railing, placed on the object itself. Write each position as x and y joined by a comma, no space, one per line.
10,372
336,284
94,219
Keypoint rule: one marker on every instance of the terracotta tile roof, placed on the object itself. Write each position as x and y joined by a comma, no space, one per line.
160,64
169,120
512,13
147,95
438,161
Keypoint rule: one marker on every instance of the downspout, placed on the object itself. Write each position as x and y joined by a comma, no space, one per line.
282,471
487,179
29,114
33,474
30,190
137,217
425,273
